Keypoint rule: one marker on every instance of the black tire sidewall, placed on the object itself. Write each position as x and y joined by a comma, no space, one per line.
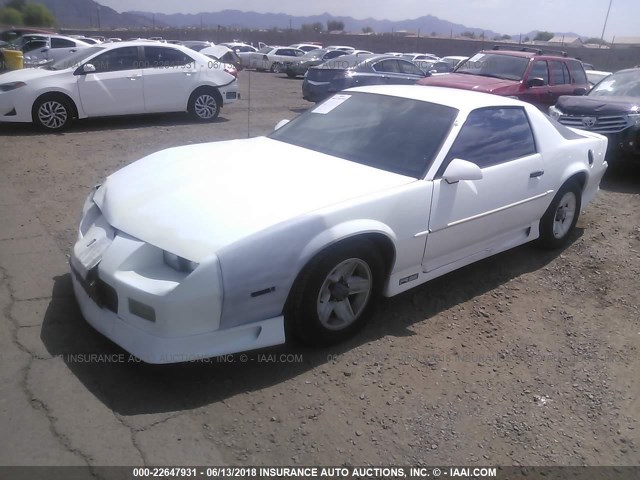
303,321
192,106
36,118
547,238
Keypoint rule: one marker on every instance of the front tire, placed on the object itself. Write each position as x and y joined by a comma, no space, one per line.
52,113
277,67
561,217
336,293
204,105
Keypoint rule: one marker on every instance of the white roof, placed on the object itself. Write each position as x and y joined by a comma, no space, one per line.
463,100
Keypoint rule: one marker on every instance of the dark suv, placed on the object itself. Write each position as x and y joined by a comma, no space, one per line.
611,108
531,76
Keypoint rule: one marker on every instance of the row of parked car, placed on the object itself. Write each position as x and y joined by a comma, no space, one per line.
557,84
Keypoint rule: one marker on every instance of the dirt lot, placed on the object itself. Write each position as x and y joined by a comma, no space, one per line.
527,358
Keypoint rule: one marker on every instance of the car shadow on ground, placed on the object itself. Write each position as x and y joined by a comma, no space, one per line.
108,124
130,387
622,176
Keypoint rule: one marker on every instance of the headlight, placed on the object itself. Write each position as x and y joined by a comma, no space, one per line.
554,112
634,119
178,263
7,87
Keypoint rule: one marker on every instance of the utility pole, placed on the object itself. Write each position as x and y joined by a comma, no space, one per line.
605,23
98,12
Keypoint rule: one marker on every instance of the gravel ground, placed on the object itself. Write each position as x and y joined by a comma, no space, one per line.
527,358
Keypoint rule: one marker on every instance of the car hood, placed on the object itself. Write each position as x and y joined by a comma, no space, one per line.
467,82
26,74
196,199
598,105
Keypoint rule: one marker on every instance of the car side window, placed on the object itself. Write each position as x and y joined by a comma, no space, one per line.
540,70
34,45
158,57
493,135
61,43
387,66
577,73
409,68
125,58
559,73
333,54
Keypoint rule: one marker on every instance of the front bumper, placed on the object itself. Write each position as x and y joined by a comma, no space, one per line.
15,105
625,142
152,348
128,293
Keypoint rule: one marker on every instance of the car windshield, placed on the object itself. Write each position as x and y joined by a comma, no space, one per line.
622,84
507,67
317,53
265,49
395,134
75,59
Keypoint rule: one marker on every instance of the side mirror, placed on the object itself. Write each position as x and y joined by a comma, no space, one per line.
88,68
460,169
536,82
281,124
580,91
44,50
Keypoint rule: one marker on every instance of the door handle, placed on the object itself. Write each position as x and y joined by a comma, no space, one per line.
134,77
73,50
188,74
537,173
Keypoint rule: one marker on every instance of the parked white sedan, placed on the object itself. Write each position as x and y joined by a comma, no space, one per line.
117,79
217,248
274,59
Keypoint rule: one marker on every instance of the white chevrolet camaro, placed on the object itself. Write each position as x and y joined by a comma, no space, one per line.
117,79
222,247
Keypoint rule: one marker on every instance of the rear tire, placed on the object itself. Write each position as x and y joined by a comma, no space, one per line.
204,105
276,67
335,294
559,221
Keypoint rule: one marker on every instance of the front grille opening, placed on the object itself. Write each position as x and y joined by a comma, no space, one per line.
107,295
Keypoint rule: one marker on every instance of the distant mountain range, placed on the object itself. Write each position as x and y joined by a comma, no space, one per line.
88,13
234,18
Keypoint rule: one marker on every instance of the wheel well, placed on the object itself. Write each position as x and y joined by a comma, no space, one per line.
380,242
53,95
206,88
580,178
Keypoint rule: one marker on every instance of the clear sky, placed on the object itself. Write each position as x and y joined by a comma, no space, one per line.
585,17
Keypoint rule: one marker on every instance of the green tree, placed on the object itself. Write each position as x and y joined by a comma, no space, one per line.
367,29
468,34
335,25
544,36
10,16
316,27
37,15
17,4
505,37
